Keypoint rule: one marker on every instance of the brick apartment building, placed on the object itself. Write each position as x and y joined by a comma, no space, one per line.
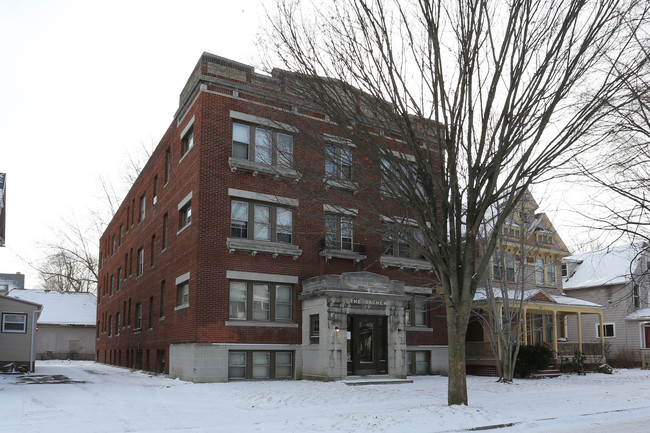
221,263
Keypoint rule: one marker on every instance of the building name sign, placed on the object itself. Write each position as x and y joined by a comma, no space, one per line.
367,302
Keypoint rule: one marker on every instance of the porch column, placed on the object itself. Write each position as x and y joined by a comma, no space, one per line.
525,322
602,334
497,325
579,333
543,327
555,332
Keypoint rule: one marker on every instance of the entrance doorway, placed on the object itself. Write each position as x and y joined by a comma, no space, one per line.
367,345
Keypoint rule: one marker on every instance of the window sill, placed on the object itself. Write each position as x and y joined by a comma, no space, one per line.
418,329
182,229
274,248
253,323
405,263
181,307
342,254
342,184
256,167
185,154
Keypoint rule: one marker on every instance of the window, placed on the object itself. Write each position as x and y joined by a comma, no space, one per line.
268,222
260,365
503,261
164,232
338,232
140,261
138,315
155,191
143,206
117,324
565,271
183,293
646,335
186,215
14,322
112,284
121,234
636,299
417,362
314,328
396,243
545,272
153,250
399,175
188,141
545,238
260,301
163,289
110,325
417,312
338,162
608,330
262,145
167,165
119,279
150,317
510,231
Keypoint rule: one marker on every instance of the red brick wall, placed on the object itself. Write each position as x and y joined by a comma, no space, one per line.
201,248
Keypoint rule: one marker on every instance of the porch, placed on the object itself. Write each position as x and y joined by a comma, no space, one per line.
544,323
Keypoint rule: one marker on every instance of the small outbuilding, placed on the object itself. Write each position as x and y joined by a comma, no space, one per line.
17,334
66,329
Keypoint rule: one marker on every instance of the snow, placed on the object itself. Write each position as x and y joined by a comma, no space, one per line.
111,399
604,267
61,308
514,295
642,314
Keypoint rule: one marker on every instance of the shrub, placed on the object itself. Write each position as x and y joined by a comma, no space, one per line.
532,358
578,362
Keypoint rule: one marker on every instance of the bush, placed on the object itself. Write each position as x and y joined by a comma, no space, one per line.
578,362
532,358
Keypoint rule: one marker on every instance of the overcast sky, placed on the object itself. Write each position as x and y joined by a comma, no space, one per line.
81,83
85,83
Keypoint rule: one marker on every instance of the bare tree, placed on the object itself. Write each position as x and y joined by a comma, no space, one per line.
621,170
72,263
502,315
485,98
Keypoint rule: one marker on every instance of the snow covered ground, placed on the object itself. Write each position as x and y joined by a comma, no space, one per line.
109,399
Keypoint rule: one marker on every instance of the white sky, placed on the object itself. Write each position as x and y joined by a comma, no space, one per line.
83,83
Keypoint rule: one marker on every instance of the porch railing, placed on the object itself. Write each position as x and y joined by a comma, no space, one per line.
478,350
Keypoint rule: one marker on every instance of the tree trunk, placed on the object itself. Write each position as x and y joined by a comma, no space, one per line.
456,333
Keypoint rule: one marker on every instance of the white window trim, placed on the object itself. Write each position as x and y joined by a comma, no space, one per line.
268,198
605,324
187,128
328,208
186,200
13,331
182,278
262,121
338,140
404,156
255,276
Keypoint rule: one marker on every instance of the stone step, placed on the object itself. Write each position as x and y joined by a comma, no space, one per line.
374,380
548,373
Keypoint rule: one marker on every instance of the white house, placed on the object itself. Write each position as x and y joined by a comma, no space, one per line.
617,278
66,328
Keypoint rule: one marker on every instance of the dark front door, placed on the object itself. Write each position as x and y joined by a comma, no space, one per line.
367,345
